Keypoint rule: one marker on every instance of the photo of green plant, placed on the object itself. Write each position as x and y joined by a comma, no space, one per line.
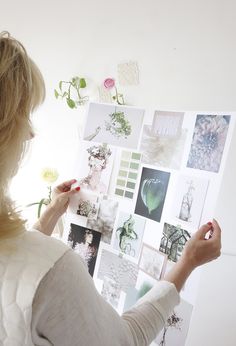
152,193
118,125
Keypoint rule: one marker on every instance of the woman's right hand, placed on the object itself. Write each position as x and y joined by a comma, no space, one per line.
198,250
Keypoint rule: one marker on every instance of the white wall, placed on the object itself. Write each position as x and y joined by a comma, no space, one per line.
186,51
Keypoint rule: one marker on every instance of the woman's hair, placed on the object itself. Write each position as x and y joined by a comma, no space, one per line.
21,91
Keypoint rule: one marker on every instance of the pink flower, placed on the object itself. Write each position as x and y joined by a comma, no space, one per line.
109,83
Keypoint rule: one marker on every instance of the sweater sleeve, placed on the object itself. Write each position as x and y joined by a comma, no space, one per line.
68,310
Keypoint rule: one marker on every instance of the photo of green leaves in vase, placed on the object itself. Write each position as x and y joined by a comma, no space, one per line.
152,193
113,124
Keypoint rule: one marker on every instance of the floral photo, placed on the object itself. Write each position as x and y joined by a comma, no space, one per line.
128,234
85,242
95,167
176,329
117,125
208,142
84,206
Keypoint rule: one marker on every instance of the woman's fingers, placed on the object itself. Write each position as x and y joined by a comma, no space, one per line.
66,186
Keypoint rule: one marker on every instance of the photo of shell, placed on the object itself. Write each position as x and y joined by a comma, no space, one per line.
152,193
104,223
128,234
113,124
208,142
173,241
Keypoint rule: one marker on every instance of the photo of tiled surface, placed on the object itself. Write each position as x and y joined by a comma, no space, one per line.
127,174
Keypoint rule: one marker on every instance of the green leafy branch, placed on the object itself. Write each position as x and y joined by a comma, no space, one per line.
70,90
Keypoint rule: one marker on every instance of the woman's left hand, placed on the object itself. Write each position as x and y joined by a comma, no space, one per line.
61,196
57,207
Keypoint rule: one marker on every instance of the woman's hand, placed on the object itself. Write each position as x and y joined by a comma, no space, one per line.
57,207
61,196
198,250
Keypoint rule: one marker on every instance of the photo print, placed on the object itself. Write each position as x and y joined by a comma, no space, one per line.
120,270
173,241
189,200
163,142
96,167
84,205
208,142
152,193
114,124
105,219
128,234
152,262
85,242
111,291
127,174
176,329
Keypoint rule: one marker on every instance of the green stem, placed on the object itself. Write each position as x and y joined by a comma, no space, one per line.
40,207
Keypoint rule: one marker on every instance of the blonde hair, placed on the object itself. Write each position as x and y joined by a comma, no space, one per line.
21,91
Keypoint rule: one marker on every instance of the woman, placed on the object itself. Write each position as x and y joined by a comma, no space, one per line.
47,295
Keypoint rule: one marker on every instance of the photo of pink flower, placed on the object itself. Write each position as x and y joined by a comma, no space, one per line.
208,142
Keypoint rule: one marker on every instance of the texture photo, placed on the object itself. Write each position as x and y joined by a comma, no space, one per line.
152,261
114,124
128,234
105,219
95,167
163,142
189,200
85,242
208,142
111,291
152,193
117,268
173,241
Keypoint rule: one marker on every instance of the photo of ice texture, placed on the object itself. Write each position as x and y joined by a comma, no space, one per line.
120,270
208,142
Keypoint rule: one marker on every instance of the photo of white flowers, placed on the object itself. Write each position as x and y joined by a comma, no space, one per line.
208,142
113,124
95,166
